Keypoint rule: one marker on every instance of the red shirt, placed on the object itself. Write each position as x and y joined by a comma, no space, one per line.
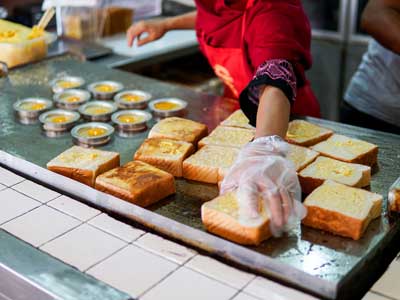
275,29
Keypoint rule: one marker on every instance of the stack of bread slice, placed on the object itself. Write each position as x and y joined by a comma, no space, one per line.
221,217
228,137
165,154
83,164
237,119
179,129
137,182
325,168
342,210
306,134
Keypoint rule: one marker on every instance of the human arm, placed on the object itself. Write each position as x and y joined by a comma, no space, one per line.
156,28
381,19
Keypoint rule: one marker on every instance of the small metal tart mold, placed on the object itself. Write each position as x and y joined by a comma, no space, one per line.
130,121
58,121
92,134
132,99
71,99
64,83
98,111
168,107
28,110
105,90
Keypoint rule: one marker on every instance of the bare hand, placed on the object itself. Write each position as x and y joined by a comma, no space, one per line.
155,29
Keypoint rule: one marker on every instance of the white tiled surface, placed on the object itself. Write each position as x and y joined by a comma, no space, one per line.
151,267
74,208
187,284
14,204
165,248
243,296
40,225
389,284
373,296
266,289
133,270
83,246
8,178
116,228
219,271
36,191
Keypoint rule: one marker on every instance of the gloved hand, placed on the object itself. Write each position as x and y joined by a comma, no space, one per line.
262,172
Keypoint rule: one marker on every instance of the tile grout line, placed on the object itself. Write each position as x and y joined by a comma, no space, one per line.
383,295
18,216
160,281
60,235
105,258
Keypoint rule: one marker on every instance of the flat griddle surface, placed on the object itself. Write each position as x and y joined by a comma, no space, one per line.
339,265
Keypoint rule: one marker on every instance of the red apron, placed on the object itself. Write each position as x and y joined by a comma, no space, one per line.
231,66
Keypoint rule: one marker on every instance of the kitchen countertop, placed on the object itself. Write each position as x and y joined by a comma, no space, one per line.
173,44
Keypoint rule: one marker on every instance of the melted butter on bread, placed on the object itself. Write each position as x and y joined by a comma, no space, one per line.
302,129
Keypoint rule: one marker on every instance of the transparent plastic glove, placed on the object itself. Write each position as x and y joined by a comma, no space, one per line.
262,172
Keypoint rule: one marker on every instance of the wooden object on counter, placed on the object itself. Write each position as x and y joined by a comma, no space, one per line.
116,20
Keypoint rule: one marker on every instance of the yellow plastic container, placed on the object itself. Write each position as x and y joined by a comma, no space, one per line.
19,45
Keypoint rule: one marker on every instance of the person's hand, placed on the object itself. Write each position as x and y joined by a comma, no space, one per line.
263,173
154,29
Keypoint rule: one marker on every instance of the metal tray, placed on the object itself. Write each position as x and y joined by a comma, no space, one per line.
311,260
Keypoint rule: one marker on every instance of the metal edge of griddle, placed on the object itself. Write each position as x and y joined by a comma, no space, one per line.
240,255
25,270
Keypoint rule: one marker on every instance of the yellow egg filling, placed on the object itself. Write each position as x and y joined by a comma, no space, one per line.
132,98
97,110
32,106
104,88
92,131
166,105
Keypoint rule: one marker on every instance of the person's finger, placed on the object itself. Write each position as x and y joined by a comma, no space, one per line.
287,204
134,31
275,205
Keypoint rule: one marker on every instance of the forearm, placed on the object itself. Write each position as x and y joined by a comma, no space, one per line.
381,19
185,21
273,113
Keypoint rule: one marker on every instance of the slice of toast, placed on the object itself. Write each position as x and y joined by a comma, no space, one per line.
179,129
83,164
301,156
221,217
137,182
394,197
228,137
347,149
324,168
237,119
342,210
207,164
165,154
306,134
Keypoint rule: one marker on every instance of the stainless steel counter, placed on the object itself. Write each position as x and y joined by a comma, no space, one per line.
323,264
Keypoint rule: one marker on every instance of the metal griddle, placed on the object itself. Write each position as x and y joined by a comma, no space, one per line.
311,260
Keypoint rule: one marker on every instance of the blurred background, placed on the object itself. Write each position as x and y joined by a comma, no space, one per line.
97,33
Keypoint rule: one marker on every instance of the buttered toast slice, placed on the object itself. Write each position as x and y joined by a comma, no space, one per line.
137,182
301,156
165,154
306,134
342,210
348,149
209,163
83,164
324,168
179,129
228,136
237,119
221,217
